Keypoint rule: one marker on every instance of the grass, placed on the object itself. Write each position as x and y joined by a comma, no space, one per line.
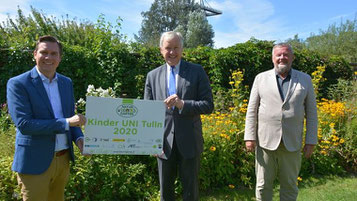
330,188
241,194
327,188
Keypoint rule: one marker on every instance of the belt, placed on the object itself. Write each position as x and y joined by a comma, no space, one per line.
62,152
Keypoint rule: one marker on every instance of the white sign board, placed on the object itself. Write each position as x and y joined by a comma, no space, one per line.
124,126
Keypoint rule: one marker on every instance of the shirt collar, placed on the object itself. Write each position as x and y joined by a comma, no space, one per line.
289,73
177,67
44,78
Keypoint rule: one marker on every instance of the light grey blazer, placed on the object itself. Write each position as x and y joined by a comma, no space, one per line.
194,88
270,120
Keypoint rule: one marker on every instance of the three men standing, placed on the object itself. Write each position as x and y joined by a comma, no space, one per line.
41,104
186,91
279,102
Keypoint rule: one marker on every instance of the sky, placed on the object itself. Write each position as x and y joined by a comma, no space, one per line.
275,20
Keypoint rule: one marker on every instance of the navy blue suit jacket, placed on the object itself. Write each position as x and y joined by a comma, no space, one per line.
36,125
193,87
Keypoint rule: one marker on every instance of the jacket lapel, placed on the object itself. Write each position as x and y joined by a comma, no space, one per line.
274,85
62,92
292,85
162,81
37,82
180,78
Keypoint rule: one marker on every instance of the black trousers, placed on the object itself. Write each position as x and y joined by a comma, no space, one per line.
188,170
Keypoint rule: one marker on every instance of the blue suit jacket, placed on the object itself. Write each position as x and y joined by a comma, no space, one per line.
36,124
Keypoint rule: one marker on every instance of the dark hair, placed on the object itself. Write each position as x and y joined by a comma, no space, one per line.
49,38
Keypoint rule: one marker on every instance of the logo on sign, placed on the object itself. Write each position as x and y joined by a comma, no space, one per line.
127,110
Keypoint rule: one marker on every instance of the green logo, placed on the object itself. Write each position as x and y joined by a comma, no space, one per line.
127,109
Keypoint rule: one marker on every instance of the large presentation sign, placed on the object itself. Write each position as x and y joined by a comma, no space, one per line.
124,126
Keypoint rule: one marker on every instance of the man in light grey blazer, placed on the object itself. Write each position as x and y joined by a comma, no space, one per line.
280,99
185,89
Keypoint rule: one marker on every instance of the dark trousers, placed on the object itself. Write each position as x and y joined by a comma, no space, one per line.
188,171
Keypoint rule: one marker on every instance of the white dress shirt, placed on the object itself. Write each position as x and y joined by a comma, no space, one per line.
53,94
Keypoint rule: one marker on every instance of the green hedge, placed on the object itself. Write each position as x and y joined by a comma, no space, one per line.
124,67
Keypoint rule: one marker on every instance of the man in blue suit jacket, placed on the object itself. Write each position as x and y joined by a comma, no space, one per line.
185,89
41,104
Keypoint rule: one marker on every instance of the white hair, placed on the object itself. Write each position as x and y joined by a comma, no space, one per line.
283,45
171,35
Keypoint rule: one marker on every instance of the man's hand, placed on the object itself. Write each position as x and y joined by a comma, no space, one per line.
77,120
79,144
159,155
172,101
308,150
250,145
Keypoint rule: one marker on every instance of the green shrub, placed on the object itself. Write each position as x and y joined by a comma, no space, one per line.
8,183
224,160
113,177
124,67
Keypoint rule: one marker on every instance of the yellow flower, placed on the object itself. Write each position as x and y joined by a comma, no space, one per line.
231,186
223,135
212,148
219,122
342,141
334,138
299,179
243,109
332,125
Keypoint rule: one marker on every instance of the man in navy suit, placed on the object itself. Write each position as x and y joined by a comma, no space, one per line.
41,104
185,89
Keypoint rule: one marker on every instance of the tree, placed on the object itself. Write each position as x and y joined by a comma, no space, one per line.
199,31
24,31
168,15
296,42
336,40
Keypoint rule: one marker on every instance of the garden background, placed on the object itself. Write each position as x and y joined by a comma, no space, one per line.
97,54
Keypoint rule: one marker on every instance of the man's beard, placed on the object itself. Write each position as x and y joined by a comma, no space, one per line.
282,68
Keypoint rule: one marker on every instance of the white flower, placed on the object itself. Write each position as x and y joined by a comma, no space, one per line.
100,90
90,88
81,101
105,93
